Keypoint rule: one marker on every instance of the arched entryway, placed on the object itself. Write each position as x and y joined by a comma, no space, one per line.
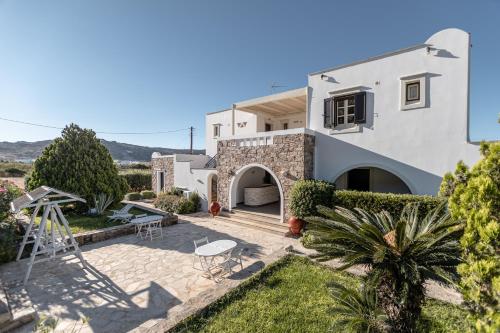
256,188
212,188
372,179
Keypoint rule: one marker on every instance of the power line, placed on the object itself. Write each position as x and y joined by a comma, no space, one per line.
99,132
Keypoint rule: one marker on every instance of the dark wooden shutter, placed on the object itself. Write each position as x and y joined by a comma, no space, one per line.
327,115
360,108
334,112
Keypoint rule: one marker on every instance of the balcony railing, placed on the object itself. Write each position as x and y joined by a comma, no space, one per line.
264,138
212,163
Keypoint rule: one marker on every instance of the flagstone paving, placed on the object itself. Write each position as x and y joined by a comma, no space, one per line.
137,284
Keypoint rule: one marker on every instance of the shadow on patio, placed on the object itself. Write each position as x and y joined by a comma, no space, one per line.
129,281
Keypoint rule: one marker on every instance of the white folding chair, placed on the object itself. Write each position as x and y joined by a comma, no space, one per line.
233,257
198,243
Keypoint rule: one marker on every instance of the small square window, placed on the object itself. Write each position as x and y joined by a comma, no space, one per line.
216,130
413,92
414,89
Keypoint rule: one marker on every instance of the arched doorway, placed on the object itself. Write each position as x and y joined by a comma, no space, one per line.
256,188
212,188
371,179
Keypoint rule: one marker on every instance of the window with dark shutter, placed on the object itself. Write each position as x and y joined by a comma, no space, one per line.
349,110
327,113
360,108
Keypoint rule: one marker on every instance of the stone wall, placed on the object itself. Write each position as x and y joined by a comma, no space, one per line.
165,164
100,235
290,157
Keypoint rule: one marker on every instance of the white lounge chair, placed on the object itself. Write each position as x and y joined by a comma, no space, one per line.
122,214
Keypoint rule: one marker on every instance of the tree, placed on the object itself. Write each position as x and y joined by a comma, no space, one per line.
475,200
79,163
400,254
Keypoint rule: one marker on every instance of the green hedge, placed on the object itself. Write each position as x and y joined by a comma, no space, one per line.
306,195
376,202
138,181
148,194
133,196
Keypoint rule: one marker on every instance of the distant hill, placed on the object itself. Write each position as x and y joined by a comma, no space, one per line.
23,150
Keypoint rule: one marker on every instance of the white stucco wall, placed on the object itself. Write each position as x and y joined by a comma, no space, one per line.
244,123
418,145
294,120
193,179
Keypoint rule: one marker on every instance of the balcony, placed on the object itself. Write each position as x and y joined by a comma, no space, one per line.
263,138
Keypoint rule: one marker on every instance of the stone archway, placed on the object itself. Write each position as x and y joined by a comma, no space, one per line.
372,179
242,178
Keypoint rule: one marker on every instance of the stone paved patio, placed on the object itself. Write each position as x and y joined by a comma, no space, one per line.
131,284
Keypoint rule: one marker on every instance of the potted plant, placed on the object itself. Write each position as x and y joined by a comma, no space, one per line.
214,208
295,225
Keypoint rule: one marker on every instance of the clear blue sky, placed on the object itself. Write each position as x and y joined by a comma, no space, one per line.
161,65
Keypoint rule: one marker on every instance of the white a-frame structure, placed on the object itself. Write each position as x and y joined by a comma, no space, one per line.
50,241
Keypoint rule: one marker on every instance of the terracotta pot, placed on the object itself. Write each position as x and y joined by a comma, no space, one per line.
295,225
214,208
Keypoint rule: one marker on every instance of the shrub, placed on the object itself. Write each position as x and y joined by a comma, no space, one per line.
475,200
8,192
133,196
14,172
391,203
8,240
177,204
139,166
185,206
102,202
138,181
148,194
79,163
175,191
306,195
8,234
195,199
166,202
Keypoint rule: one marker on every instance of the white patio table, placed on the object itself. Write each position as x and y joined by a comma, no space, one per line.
151,224
209,251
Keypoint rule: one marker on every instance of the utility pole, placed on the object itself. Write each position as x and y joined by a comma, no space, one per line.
191,129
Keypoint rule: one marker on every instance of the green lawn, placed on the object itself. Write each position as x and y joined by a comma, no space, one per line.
83,223
291,296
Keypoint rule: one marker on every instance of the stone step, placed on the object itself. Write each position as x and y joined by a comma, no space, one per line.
269,227
5,315
255,216
20,309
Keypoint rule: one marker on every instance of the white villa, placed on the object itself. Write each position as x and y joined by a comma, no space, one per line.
396,123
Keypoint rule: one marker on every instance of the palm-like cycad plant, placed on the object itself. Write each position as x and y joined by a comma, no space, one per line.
399,253
358,309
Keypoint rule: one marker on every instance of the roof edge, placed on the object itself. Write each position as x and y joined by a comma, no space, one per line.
214,112
381,56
